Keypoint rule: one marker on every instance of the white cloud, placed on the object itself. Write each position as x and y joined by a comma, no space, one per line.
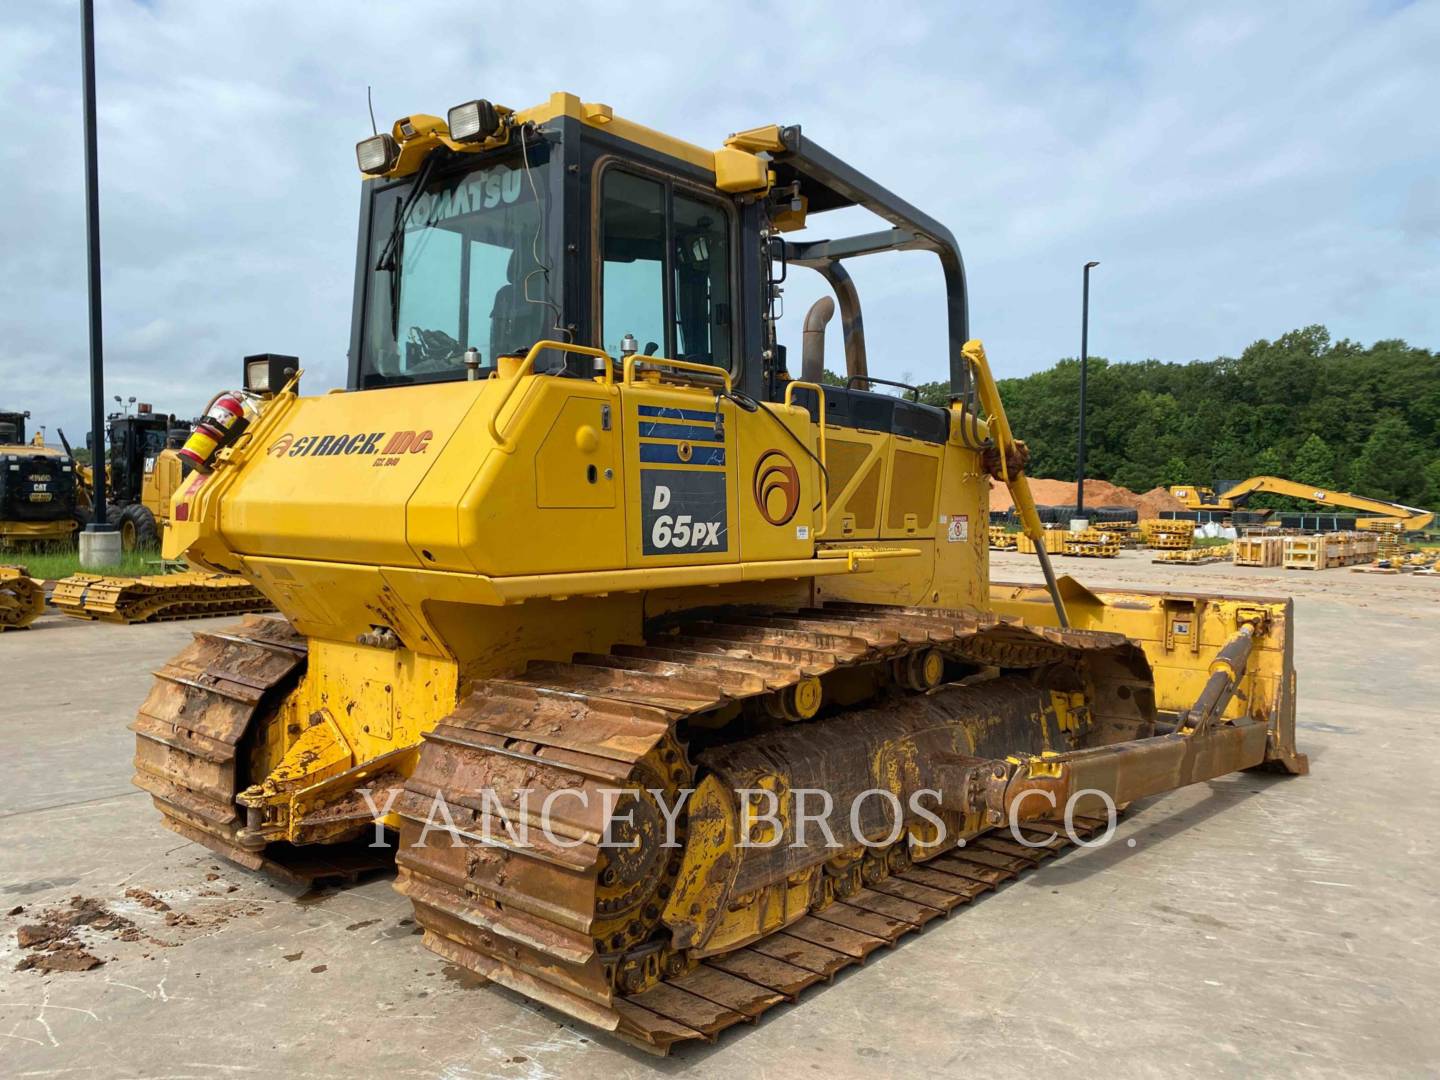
1238,170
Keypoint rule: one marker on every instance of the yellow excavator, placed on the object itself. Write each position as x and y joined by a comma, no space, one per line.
1379,513
681,679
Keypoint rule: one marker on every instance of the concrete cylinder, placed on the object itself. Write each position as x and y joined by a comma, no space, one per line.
99,549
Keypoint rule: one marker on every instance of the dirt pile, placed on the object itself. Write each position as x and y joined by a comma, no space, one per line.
1097,493
60,938
52,943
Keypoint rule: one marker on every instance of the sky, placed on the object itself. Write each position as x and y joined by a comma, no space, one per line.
1239,170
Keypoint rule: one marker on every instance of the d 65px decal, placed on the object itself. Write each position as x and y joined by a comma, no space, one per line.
684,511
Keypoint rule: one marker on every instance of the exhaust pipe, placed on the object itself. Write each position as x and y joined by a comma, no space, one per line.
812,341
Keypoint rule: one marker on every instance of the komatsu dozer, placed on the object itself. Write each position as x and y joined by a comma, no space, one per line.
678,673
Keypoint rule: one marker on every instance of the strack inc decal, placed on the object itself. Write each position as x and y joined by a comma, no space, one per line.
387,448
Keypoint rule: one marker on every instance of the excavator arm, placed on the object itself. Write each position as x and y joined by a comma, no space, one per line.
1412,518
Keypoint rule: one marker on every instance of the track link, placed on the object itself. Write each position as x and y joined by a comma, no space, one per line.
190,729
21,598
524,911
157,598
737,987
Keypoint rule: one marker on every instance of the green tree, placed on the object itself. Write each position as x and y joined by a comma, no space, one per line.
1175,472
1314,463
1432,486
1386,466
1220,417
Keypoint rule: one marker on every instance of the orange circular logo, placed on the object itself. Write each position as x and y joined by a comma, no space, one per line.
777,487
280,445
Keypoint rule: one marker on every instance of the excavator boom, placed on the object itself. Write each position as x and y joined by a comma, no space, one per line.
1410,518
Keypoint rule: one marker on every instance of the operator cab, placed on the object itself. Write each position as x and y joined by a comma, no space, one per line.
12,428
566,223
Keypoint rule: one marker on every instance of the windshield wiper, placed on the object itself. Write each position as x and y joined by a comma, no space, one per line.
389,258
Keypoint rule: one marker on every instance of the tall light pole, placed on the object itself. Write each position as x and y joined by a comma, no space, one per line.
100,548
1084,358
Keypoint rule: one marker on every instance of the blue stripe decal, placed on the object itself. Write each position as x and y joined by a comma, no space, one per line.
649,429
665,454
668,413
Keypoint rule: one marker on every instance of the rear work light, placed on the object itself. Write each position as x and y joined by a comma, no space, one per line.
377,154
473,122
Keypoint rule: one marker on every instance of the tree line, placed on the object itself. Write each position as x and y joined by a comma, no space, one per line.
1336,414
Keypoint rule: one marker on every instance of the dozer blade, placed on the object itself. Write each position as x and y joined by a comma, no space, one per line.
1182,634
22,600
157,598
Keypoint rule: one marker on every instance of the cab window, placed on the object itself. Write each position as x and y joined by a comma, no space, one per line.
665,270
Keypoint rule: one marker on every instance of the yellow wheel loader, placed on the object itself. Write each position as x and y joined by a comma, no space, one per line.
681,677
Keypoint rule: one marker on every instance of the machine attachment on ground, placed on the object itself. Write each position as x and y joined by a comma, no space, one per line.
22,599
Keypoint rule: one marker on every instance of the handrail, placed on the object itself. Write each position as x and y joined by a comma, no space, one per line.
680,365
527,367
824,459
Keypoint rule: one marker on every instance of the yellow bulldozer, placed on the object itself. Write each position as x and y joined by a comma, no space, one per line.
681,678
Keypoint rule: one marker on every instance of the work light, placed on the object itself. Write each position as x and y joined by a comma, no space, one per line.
267,373
377,154
473,121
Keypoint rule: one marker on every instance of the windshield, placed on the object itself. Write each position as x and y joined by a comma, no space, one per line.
463,272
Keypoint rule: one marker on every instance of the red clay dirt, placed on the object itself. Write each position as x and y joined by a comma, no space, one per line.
1097,493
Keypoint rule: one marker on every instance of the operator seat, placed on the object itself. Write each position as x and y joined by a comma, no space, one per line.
515,323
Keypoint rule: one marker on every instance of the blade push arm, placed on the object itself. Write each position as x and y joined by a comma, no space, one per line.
1011,466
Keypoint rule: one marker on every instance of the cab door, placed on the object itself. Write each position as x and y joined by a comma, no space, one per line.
680,452
665,286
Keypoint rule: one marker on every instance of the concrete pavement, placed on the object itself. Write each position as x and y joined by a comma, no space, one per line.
1257,924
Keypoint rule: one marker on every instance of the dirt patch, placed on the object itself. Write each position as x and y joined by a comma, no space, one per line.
60,958
462,976
1097,493
52,938
52,942
148,899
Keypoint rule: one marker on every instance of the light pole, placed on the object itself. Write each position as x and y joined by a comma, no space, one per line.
99,544
1084,358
